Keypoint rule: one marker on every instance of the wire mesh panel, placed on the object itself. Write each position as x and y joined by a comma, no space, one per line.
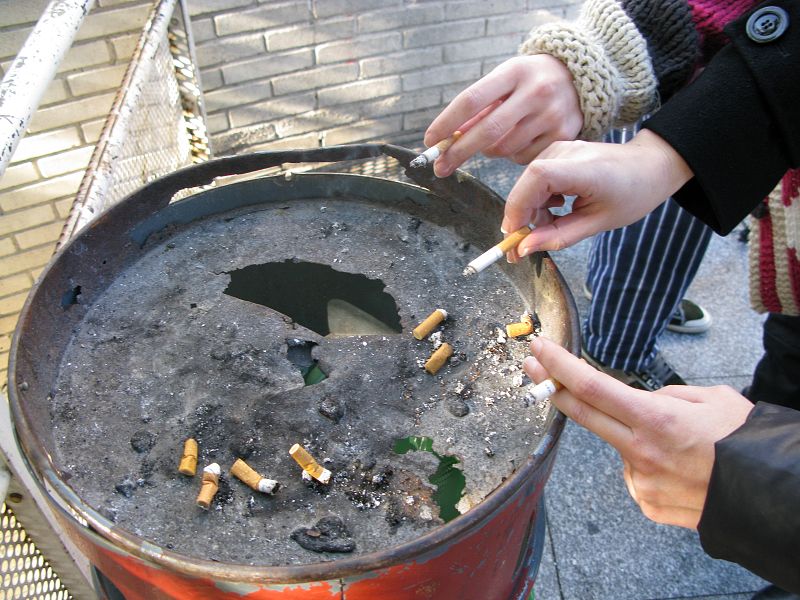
157,122
24,570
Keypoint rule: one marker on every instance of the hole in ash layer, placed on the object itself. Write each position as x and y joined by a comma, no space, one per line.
299,354
318,297
448,479
70,297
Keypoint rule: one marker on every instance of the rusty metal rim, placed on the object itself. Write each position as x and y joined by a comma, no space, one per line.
97,526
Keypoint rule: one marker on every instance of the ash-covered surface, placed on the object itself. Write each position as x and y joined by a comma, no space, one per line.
166,354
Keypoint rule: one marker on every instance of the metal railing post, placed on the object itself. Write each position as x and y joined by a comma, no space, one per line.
34,68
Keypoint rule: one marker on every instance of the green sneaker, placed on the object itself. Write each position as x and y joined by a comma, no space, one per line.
689,318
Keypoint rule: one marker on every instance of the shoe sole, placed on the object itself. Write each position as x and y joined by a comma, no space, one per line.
692,327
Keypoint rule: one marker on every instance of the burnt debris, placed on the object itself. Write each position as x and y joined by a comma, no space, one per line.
329,534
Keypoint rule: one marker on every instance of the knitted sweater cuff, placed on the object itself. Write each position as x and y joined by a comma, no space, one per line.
609,62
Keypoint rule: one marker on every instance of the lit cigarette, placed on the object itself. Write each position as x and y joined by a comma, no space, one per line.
246,474
542,391
209,487
497,252
310,466
524,327
425,328
188,464
435,151
438,358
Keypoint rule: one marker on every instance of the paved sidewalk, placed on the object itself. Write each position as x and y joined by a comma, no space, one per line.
599,545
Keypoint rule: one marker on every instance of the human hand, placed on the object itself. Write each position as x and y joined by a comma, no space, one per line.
614,185
666,438
517,110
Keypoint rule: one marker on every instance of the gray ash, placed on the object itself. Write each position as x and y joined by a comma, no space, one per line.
165,345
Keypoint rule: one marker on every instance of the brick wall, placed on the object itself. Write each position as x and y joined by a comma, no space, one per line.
280,74
276,74
37,190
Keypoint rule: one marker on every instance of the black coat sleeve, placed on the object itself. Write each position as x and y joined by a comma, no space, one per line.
752,510
738,125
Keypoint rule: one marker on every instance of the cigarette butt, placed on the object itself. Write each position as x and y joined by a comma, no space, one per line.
438,358
209,487
247,474
519,329
433,320
432,153
496,252
542,391
188,464
310,466
446,143
513,239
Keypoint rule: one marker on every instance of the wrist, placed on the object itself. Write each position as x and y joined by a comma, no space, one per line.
670,171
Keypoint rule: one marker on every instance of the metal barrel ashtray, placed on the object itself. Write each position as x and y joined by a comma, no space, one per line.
260,334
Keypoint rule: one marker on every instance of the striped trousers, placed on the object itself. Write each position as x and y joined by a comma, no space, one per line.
638,274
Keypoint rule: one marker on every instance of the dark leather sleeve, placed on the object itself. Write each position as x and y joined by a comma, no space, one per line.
738,125
752,511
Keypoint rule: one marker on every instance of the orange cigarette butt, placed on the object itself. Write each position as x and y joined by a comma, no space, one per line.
310,466
446,143
248,475
188,464
433,320
519,329
438,358
524,327
513,239
209,487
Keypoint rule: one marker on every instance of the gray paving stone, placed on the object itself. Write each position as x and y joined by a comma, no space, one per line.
604,548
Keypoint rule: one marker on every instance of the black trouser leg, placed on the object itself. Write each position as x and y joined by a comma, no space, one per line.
777,375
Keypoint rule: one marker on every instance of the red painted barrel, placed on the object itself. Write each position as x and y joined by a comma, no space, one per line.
491,552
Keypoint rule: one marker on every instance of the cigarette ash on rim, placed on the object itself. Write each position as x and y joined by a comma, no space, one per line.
186,359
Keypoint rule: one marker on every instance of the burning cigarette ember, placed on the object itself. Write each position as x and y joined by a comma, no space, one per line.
524,327
246,474
310,466
496,252
188,464
433,320
209,487
438,358
434,152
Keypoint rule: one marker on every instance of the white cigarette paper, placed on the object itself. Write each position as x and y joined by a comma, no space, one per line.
542,391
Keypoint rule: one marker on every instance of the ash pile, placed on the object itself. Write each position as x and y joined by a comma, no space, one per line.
291,325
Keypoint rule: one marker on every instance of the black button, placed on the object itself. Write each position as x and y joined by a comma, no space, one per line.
767,24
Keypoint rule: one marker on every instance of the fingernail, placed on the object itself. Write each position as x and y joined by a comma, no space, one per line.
536,345
530,363
525,251
503,231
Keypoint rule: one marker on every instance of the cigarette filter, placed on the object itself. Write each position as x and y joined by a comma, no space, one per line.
188,464
496,252
425,328
435,151
438,358
209,487
524,327
245,473
310,466
542,391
